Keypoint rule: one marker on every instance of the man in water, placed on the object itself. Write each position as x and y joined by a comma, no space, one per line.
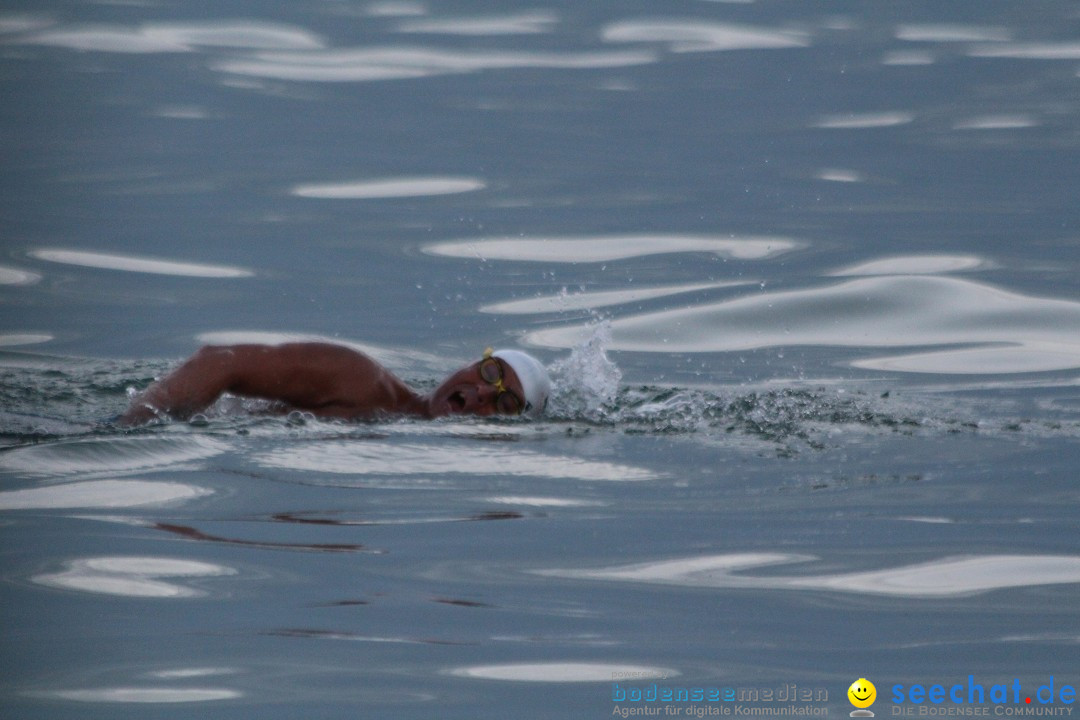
333,381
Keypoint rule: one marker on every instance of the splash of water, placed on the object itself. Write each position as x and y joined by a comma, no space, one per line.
586,384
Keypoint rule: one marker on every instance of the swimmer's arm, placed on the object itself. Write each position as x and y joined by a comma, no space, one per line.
328,380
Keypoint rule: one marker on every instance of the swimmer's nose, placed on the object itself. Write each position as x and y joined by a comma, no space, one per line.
484,399
485,394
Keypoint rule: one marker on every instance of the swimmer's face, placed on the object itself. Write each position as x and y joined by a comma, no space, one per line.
862,693
467,392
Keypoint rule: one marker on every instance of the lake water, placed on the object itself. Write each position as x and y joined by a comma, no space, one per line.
805,274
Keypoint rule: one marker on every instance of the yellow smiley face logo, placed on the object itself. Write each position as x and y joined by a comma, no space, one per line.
862,693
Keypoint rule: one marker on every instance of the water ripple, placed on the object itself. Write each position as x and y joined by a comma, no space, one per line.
943,33
100,494
13,339
131,263
563,672
168,37
947,577
155,695
564,301
396,8
400,63
14,276
109,455
613,247
126,576
914,265
997,122
377,458
855,121
1017,333
685,35
390,188
1029,51
525,23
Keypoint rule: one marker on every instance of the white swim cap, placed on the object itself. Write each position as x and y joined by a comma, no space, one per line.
534,379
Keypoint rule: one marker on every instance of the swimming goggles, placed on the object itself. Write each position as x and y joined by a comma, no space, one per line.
491,371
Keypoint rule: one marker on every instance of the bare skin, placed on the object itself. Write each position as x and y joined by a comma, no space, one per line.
329,381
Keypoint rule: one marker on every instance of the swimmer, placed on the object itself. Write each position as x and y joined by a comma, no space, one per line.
333,381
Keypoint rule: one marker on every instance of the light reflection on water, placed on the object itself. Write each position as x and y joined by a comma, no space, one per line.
116,456
908,58
563,672
1029,51
155,695
858,121
140,577
365,64
395,8
13,339
1031,334
375,458
616,247
564,302
839,175
997,122
127,263
914,265
686,36
393,188
176,37
14,276
948,577
100,494
943,33
526,23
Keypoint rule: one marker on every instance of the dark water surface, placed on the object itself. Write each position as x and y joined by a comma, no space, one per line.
805,275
